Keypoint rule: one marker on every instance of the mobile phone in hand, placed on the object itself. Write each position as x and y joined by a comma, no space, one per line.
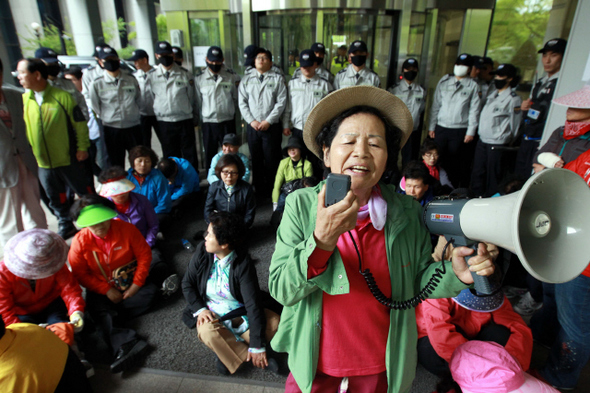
337,186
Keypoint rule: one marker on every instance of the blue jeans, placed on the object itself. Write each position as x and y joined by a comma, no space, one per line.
544,323
571,350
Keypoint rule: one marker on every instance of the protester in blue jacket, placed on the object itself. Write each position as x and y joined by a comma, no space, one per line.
182,177
149,181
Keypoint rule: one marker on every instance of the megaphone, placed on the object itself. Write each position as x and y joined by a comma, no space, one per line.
546,224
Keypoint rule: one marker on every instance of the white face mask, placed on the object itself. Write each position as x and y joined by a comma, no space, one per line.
460,70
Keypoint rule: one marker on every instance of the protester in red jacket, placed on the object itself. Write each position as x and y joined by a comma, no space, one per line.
35,283
99,249
444,324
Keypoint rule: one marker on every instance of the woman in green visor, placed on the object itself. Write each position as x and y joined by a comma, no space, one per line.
112,260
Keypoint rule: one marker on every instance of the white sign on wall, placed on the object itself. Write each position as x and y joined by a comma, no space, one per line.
200,53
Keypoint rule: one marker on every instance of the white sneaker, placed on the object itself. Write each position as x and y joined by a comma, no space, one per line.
527,305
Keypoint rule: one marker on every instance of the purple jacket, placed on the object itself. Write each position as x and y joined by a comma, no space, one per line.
141,214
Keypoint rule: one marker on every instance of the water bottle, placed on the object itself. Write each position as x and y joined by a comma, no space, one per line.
187,245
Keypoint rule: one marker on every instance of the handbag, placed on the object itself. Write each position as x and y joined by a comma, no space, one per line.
293,185
122,277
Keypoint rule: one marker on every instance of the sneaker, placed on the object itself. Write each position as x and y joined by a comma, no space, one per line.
512,292
88,368
527,305
127,354
170,285
221,369
67,231
272,366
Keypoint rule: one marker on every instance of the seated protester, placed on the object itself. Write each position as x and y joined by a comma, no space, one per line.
291,168
130,206
232,194
103,246
444,324
224,298
430,154
417,182
36,360
182,177
230,146
482,367
149,181
36,285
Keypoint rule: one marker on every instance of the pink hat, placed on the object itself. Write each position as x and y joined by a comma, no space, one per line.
116,187
35,254
486,367
578,99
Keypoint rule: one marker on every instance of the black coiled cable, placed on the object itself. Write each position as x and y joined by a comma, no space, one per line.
405,304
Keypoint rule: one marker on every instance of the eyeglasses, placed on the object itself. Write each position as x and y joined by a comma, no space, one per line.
229,173
262,58
431,155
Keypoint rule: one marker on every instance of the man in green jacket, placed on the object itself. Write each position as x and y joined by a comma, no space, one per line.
57,132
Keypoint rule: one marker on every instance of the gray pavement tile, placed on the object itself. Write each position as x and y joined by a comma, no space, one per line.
139,382
190,385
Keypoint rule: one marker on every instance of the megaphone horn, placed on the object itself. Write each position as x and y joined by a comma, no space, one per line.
546,224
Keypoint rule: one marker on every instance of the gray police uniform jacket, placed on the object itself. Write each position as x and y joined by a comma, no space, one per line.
147,100
485,90
217,100
174,98
264,100
320,71
68,85
13,141
88,76
414,96
347,77
303,95
116,100
456,106
237,78
500,118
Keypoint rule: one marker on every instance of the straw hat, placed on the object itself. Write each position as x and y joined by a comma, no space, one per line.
482,367
578,99
35,254
116,187
392,108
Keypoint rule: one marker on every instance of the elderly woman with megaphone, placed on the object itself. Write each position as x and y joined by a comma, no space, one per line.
339,322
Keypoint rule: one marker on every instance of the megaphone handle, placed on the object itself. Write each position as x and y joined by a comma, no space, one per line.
482,283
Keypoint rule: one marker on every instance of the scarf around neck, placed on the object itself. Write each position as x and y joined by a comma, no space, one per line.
574,129
376,209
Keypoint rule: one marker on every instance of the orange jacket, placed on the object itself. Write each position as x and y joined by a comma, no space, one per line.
437,318
17,298
127,244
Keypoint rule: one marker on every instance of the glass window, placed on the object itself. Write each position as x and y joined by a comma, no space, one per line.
285,36
416,38
205,32
518,31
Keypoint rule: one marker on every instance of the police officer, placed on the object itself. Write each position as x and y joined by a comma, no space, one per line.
178,55
356,73
147,118
293,61
54,68
305,91
498,126
414,96
536,108
92,72
262,100
454,117
340,61
482,73
116,99
249,60
175,105
217,97
319,51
